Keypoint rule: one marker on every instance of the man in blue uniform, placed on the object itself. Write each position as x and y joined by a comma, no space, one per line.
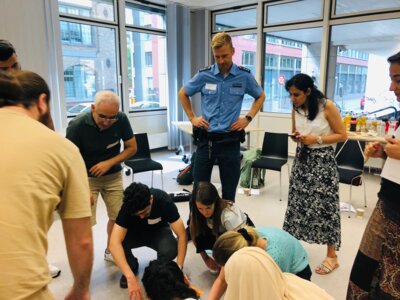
220,129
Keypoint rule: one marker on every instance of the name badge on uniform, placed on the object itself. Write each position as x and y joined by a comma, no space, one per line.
112,145
153,221
238,85
211,86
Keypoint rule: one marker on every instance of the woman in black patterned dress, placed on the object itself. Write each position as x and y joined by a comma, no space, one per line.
313,212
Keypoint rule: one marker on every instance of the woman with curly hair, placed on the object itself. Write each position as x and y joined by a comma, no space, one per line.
164,280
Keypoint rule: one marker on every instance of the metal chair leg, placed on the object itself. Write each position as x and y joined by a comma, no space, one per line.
251,179
280,185
162,180
365,192
152,175
349,211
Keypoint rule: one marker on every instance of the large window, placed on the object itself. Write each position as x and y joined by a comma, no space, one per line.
238,19
358,74
144,16
288,53
96,9
146,70
89,51
146,57
346,7
292,11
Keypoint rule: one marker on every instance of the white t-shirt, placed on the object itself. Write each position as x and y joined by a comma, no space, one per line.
319,126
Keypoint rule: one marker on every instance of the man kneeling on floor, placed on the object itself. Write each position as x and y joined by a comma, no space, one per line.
146,219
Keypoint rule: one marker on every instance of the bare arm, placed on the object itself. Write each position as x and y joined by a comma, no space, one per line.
392,148
117,236
79,244
130,148
295,133
219,286
335,122
242,123
187,107
210,263
179,229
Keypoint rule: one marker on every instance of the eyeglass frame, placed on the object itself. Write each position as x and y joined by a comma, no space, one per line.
107,118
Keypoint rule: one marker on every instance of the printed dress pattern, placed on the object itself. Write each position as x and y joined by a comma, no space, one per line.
313,212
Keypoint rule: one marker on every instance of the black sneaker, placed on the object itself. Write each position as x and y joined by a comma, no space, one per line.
123,283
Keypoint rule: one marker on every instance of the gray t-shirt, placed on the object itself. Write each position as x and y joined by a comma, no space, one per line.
232,217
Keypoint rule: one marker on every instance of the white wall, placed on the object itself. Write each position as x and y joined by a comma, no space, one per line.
28,26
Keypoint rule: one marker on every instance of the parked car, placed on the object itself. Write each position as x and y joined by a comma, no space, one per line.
79,108
145,105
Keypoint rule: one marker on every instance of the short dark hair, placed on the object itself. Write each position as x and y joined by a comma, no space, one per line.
394,59
23,87
136,197
6,50
164,280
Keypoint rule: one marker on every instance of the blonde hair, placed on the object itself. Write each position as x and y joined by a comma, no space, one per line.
106,96
231,241
220,39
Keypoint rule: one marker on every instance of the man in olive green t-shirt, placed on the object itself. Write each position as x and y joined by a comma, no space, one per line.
98,136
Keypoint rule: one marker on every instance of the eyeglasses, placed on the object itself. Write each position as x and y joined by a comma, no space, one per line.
107,118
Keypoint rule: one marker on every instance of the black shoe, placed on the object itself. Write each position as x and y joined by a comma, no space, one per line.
123,283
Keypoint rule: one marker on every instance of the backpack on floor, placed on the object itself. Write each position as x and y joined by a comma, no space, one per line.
185,177
249,157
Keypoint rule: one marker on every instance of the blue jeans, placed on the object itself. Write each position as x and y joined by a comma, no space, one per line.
228,155
162,241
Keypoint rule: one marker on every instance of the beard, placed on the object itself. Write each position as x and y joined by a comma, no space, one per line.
47,120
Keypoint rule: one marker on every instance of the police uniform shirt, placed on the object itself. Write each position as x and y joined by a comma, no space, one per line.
222,97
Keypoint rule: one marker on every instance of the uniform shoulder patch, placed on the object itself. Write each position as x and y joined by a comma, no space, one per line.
205,69
244,69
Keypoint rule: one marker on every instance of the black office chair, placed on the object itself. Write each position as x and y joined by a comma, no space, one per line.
274,155
350,160
141,161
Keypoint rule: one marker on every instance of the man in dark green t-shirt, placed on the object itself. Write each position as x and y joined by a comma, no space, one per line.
98,136
147,218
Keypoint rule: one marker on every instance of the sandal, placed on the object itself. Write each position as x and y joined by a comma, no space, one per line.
327,266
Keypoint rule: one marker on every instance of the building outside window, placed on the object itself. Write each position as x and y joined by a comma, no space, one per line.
89,51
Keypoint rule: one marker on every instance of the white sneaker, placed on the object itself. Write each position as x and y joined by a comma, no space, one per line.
54,271
108,256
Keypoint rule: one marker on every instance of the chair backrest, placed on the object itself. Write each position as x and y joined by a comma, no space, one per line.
143,148
349,154
275,145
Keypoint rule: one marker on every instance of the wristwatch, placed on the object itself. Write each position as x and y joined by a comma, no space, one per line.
319,140
249,118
